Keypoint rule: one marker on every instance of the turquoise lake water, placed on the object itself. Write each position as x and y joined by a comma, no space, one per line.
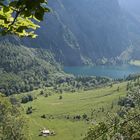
109,71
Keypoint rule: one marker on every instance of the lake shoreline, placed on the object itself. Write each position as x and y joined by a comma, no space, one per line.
112,71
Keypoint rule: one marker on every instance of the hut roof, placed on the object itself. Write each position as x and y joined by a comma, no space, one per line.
46,131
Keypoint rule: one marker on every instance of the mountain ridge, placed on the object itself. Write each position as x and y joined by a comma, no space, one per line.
78,36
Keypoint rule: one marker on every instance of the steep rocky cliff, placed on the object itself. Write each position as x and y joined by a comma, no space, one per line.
83,31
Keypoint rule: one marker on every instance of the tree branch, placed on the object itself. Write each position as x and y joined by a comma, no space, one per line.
123,123
17,13
15,18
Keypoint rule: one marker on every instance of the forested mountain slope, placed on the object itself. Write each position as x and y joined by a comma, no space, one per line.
96,31
23,69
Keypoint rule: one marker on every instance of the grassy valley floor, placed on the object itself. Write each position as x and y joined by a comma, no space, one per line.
96,102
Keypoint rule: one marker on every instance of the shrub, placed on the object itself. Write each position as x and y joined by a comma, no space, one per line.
127,102
84,116
29,110
41,92
43,116
60,97
26,99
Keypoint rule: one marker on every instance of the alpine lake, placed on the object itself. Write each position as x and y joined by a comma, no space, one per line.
114,71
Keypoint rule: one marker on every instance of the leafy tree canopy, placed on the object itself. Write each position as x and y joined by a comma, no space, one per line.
19,16
13,125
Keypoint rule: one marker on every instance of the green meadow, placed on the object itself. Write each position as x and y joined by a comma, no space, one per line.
94,103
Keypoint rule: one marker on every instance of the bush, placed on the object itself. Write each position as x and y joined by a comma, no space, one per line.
77,117
84,116
26,99
43,116
46,95
60,97
41,92
127,102
29,110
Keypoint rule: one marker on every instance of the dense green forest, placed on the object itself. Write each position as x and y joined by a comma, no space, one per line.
23,69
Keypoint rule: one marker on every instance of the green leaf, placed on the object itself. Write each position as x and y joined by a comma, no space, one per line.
13,3
6,9
39,15
26,11
21,28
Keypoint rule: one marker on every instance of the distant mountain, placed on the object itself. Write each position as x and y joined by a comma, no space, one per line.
132,6
132,13
23,69
83,32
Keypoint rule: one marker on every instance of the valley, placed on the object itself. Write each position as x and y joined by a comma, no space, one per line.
78,79
60,112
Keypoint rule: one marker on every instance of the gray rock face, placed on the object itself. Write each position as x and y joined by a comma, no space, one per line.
132,13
